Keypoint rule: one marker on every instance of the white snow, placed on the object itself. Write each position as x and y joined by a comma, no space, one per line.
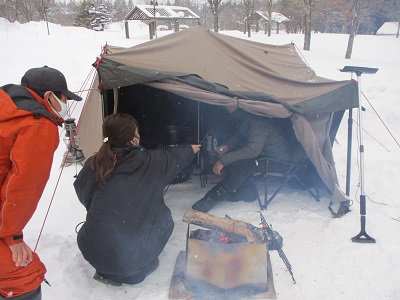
388,28
326,263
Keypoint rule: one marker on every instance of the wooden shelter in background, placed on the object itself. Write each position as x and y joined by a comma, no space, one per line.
152,13
261,16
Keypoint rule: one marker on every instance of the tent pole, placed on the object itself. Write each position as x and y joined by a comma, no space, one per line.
362,237
349,148
198,131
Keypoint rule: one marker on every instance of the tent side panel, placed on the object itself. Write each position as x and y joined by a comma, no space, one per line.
91,121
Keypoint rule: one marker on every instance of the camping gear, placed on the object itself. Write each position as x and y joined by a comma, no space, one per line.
228,260
225,267
72,140
286,171
179,291
362,237
275,244
177,72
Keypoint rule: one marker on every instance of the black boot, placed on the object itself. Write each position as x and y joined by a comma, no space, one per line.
215,195
247,192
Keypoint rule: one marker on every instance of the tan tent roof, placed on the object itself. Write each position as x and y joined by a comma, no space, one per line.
238,64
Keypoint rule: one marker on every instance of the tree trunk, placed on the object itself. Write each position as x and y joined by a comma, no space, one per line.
216,27
269,21
352,29
398,19
307,25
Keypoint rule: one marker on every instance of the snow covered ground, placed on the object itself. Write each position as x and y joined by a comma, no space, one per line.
326,263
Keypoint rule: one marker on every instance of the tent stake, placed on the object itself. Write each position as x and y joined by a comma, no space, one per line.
362,237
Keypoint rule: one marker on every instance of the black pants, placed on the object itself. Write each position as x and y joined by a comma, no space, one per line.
236,174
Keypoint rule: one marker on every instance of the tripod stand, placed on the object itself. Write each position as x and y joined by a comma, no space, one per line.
362,237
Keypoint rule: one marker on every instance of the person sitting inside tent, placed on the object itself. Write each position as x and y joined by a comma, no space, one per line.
127,223
255,136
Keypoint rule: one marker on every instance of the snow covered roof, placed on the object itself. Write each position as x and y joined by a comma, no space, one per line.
275,16
147,12
388,28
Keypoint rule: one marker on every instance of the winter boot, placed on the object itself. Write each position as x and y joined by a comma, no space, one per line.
247,192
215,195
105,279
133,279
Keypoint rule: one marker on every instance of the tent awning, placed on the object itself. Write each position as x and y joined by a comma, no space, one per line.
241,68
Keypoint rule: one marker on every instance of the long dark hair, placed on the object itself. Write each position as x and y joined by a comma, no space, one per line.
118,130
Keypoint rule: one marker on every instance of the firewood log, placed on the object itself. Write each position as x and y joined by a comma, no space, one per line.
228,225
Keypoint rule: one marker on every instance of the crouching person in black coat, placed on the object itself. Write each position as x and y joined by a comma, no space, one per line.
127,222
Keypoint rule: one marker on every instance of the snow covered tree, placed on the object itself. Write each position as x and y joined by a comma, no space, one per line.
93,14
120,10
82,17
100,15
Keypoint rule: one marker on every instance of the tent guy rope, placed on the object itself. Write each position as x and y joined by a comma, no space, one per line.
63,164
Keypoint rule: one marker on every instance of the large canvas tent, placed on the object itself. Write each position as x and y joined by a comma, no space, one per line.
214,69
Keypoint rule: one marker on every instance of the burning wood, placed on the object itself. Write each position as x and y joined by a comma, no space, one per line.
216,236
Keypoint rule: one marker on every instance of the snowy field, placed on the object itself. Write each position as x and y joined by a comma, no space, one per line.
326,263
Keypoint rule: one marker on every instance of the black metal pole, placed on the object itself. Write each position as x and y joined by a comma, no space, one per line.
349,147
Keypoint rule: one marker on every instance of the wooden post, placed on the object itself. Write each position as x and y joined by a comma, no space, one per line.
126,29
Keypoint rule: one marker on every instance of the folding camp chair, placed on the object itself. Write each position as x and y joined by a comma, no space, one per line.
286,171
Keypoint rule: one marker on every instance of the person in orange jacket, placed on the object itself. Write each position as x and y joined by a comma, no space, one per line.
30,114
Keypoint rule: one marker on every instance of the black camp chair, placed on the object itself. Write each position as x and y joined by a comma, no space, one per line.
287,172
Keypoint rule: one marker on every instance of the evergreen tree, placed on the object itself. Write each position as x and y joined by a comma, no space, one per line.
99,15
82,17
120,10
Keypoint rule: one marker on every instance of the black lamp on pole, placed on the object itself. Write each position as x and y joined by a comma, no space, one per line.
72,140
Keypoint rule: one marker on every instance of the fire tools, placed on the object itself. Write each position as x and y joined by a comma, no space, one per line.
275,244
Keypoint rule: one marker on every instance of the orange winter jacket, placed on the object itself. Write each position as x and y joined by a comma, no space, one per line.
28,138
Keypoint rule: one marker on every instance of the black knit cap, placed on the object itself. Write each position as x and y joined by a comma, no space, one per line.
47,79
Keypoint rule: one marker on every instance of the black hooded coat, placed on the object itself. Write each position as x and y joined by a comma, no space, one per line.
127,222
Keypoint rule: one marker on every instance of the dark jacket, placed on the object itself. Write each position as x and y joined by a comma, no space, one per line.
127,223
256,136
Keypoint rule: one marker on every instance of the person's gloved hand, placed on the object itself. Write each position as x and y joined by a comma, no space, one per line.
21,254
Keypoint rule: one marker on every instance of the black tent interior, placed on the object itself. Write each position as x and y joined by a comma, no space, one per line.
166,119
